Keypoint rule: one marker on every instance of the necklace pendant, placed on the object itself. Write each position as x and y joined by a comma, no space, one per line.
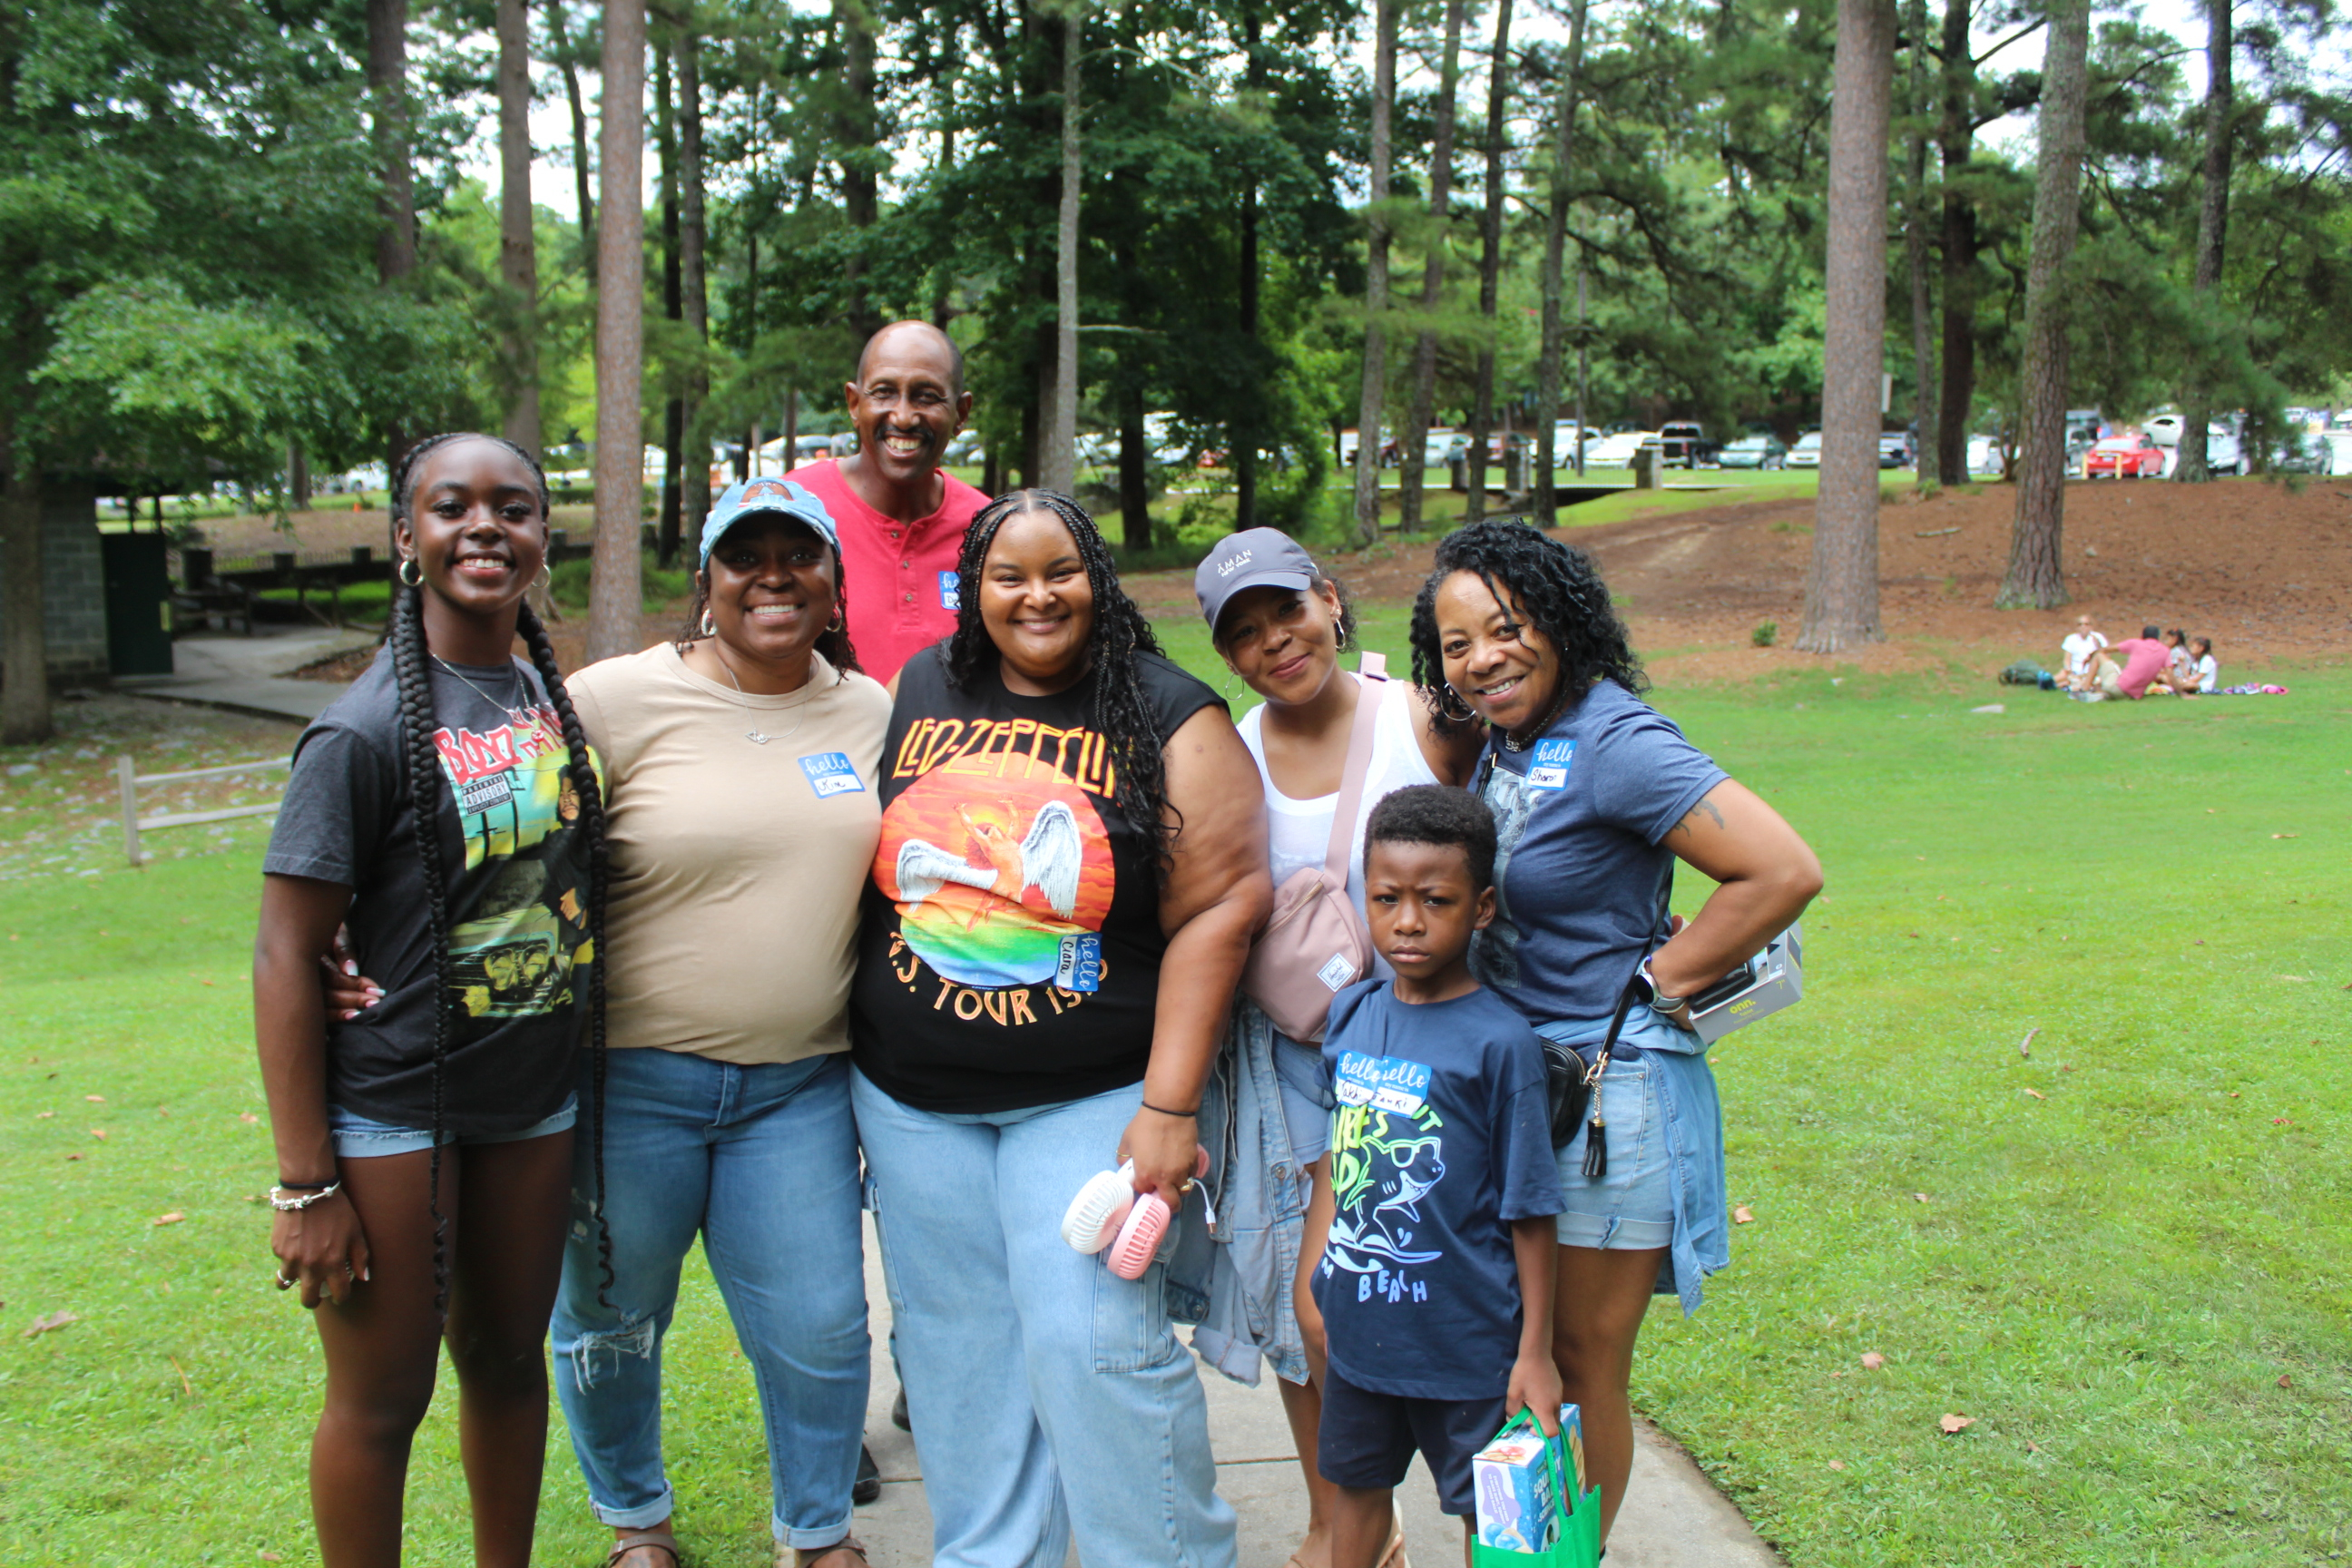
756,738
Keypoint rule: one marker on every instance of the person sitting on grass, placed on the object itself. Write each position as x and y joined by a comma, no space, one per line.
2205,673
2180,665
2143,659
1432,1232
2077,647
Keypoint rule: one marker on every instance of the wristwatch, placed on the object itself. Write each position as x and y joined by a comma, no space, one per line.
1659,1001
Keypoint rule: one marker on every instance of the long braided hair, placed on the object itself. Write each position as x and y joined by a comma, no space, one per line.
414,684
1556,585
1124,713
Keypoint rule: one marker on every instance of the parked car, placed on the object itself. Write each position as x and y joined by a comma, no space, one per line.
2309,454
1894,450
1985,454
1617,451
1685,443
1807,452
2133,457
1755,451
2223,452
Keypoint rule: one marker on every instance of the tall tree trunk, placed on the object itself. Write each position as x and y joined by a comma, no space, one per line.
1544,502
942,311
1134,477
860,184
297,477
2037,574
1915,243
1376,278
1242,434
24,698
1956,136
1842,595
616,586
1490,261
581,166
395,240
518,252
1059,459
692,245
1412,449
2212,234
673,492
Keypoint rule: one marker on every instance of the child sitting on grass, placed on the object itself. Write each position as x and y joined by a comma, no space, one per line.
1432,1234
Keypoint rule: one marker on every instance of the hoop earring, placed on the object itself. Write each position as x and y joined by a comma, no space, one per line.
408,565
546,577
1468,713
710,627
840,622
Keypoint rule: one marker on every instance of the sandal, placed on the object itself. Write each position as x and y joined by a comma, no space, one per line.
634,1540
805,1558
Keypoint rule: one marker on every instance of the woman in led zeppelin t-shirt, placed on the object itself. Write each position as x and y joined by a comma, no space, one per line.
1071,864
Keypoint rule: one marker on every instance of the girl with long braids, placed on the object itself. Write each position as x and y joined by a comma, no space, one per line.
742,760
447,808
1596,795
1071,864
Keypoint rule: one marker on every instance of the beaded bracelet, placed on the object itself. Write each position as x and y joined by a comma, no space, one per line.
295,1205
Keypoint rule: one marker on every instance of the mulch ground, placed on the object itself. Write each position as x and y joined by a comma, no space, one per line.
2263,569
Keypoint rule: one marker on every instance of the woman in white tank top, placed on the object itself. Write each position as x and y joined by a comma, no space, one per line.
1281,624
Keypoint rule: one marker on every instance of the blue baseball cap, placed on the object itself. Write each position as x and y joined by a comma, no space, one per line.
783,498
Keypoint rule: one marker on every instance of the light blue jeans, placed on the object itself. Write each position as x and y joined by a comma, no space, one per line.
1048,1396
762,1162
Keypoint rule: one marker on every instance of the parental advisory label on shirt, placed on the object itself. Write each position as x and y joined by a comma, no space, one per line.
484,793
1550,769
830,773
1080,968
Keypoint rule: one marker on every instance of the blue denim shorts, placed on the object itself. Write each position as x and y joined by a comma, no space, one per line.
357,1138
1631,1208
1306,1098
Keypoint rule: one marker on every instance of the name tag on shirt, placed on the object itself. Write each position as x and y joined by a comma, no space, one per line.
1386,1083
1080,968
830,773
950,590
1549,770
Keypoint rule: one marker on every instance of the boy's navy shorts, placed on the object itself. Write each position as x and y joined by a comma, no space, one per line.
1367,1440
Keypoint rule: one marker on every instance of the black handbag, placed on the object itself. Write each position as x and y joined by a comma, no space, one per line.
1573,1085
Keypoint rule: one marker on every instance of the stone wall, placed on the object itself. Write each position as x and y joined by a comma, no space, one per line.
73,585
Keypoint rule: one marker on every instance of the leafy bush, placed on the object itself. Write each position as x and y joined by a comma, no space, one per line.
1766,634
658,586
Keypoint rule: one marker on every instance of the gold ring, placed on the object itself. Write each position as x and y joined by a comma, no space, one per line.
1189,1184
283,1282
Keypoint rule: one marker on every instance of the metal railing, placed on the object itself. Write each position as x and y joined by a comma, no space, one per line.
134,825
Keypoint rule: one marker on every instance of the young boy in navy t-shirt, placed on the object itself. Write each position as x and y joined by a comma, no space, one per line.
1432,1231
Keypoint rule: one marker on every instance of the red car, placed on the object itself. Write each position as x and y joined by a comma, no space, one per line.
2124,456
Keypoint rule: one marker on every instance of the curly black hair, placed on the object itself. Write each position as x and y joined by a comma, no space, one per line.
413,683
1441,815
1554,586
1123,710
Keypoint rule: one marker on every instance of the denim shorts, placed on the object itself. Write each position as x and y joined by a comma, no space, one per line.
1631,1208
1306,1098
357,1138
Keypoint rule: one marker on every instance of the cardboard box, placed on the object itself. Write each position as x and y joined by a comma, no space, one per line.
1518,1502
1773,979
1572,1440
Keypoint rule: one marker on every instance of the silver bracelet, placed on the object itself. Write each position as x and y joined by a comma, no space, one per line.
296,1204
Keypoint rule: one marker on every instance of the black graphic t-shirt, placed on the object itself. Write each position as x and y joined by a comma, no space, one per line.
1008,951
517,895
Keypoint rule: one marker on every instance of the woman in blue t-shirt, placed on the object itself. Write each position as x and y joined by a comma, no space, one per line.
1595,796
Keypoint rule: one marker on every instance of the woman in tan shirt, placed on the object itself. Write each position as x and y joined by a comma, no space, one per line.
741,774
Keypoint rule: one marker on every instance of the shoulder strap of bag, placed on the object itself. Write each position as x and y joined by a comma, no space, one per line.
1596,1142
1351,782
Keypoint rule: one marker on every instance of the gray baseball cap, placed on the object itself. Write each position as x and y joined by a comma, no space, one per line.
1253,558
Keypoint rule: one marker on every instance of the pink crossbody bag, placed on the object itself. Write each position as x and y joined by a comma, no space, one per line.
1316,943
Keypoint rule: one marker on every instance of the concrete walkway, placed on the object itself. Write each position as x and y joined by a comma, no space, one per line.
1673,1517
249,675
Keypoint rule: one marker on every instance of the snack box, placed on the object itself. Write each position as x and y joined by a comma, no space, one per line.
1571,1441
1518,1502
1773,979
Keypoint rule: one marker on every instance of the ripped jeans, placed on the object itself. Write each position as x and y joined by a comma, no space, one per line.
762,1162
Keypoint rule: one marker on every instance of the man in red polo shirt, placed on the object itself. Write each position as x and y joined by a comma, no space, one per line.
902,520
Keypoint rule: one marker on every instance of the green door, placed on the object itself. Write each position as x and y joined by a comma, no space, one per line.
137,604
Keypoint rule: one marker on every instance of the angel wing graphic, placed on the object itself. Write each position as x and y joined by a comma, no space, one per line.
1048,859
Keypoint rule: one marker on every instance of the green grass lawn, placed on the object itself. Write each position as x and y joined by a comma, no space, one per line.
2130,1267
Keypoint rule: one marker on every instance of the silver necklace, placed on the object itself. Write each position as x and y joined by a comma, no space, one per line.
1511,744
754,736
502,706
